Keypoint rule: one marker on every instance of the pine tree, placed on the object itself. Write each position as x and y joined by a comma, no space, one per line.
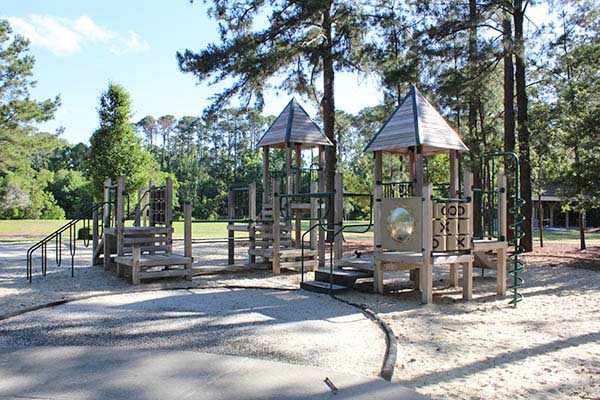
115,149
304,40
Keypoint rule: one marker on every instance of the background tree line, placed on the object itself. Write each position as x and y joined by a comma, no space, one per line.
534,92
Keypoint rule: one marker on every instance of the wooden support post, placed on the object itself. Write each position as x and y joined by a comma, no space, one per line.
265,173
419,172
339,215
501,272
298,220
377,197
468,280
252,223
187,238
276,229
95,237
321,244
135,266
288,189
454,192
120,214
313,215
412,168
426,270
378,277
169,213
230,232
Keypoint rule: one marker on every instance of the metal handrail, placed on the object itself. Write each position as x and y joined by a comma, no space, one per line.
57,236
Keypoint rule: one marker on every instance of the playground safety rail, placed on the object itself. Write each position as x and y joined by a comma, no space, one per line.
90,213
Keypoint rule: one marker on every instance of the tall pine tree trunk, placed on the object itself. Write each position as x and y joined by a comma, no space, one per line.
523,130
328,111
509,110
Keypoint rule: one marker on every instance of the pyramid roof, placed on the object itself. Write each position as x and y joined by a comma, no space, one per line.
415,122
293,126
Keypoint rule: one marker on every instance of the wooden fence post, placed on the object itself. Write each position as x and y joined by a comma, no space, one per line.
106,221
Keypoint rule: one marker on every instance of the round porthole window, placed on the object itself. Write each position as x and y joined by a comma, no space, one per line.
401,224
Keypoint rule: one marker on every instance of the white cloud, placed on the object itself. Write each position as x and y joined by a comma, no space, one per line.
132,43
65,36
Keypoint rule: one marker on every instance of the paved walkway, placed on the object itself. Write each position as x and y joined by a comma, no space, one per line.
110,373
291,326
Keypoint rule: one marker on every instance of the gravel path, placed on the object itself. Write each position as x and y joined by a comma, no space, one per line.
294,327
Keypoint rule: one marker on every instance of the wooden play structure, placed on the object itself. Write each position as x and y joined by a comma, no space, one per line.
288,196
143,250
419,226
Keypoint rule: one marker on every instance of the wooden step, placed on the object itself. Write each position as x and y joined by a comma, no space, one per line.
359,264
144,240
309,265
146,249
146,230
269,243
154,260
269,227
283,253
269,236
341,277
322,287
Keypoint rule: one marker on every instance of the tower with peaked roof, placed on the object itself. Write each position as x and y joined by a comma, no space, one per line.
282,202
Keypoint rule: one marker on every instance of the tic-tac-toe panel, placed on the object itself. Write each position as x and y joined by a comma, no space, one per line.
451,226
400,224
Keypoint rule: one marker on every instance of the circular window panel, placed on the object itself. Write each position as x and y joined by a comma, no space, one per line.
401,224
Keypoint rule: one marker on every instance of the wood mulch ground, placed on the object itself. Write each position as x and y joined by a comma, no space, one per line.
565,254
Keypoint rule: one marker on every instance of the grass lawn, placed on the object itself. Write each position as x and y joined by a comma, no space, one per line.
27,229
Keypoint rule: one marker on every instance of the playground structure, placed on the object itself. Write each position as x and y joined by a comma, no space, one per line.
417,225
136,244
144,250
289,196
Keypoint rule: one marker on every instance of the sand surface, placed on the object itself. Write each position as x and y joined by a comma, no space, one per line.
547,348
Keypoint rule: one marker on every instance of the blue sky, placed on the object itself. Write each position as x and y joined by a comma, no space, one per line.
80,46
